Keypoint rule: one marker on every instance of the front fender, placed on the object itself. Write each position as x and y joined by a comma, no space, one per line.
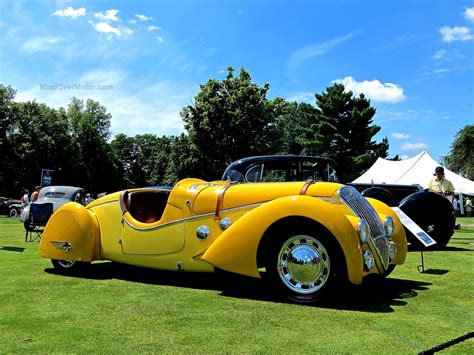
236,248
72,233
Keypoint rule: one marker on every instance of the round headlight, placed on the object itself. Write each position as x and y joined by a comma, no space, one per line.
369,260
389,226
364,231
392,250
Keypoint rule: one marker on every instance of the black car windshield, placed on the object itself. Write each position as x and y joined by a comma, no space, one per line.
284,170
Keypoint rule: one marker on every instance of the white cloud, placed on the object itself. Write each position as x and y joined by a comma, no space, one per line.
440,54
302,96
469,13
152,28
414,146
38,44
374,89
103,77
70,12
109,15
143,17
160,39
318,49
440,70
105,27
450,34
400,135
404,157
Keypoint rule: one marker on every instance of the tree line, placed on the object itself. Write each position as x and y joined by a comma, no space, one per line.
228,119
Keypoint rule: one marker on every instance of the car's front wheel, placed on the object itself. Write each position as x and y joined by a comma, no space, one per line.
13,212
299,266
68,266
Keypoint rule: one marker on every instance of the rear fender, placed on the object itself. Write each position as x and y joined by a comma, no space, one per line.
236,248
72,233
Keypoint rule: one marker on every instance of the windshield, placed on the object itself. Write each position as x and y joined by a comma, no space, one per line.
287,170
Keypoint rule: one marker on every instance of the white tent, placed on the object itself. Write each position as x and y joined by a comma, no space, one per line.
416,170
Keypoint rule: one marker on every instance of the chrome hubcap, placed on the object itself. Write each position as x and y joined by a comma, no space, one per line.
66,263
303,264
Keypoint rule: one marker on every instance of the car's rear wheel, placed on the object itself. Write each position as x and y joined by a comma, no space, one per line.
299,265
68,266
13,212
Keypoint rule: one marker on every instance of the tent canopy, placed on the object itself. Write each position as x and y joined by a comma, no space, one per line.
416,170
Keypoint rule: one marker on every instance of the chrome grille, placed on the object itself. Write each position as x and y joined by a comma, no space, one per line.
363,209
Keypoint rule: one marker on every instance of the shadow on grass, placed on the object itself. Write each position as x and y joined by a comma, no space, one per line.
16,249
373,296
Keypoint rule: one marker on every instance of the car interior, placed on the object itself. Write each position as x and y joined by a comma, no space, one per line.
145,206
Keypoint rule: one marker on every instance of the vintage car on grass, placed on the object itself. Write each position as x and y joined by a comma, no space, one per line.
57,196
301,237
431,211
10,207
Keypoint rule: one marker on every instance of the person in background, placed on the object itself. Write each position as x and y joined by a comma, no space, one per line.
25,199
35,194
441,185
88,199
468,206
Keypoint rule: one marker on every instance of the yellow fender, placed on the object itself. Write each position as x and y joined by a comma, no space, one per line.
236,248
72,233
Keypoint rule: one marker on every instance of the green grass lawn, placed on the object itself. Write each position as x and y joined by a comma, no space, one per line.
120,309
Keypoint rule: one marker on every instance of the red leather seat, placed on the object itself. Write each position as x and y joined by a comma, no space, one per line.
147,206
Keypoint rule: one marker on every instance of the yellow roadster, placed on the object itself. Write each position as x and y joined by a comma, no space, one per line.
301,236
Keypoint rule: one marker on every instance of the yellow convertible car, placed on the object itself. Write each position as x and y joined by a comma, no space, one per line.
300,236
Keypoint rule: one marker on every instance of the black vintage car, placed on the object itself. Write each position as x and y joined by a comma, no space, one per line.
432,212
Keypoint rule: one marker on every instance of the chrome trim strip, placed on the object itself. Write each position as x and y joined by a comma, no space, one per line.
190,218
102,203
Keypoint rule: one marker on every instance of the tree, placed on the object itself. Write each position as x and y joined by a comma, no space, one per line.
180,164
229,119
297,128
343,129
8,117
94,165
461,156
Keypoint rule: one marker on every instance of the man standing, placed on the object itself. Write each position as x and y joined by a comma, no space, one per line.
35,194
441,185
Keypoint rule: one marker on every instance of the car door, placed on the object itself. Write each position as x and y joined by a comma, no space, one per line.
162,237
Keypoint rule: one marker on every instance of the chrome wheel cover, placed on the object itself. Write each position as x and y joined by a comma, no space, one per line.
66,263
303,264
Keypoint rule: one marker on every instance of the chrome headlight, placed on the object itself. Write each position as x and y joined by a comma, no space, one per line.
369,260
389,226
392,250
363,230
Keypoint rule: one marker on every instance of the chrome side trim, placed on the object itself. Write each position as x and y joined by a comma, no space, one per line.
102,203
191,218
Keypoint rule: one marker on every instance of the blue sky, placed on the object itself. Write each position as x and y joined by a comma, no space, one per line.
145,60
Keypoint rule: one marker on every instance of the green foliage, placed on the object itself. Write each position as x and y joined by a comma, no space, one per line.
229,119
461,156
339,127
